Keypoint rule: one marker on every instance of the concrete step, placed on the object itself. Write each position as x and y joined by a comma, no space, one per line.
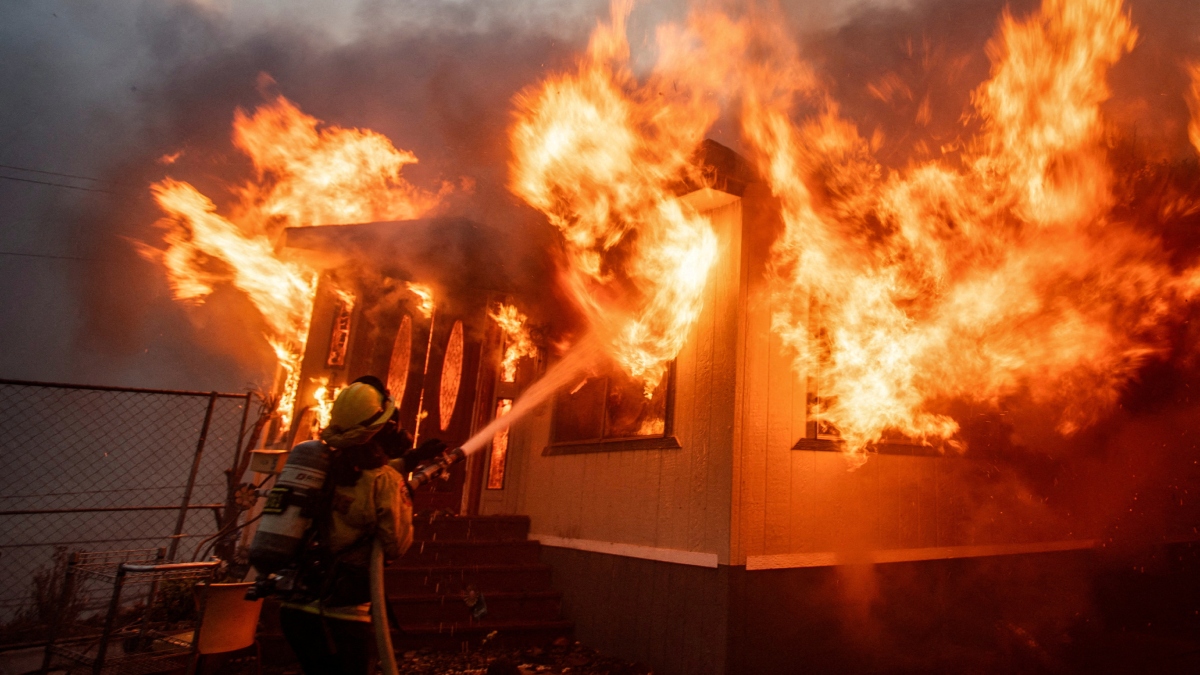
471,528
454,635
483,578
501,606
470,553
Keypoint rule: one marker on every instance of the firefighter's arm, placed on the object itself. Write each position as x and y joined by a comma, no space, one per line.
393,514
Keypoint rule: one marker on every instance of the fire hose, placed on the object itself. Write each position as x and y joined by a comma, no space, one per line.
383,632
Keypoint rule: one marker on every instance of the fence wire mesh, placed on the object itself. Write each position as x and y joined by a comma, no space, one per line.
103,468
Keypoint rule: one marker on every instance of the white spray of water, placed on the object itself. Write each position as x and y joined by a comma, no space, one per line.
558,376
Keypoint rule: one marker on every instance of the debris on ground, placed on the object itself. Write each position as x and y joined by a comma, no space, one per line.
564,657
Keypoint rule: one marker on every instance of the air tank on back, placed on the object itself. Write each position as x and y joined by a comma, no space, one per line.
288,512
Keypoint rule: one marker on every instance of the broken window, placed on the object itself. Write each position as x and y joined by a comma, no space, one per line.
339,338
499,457
610,406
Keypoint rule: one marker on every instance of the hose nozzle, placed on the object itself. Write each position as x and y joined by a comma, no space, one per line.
431,470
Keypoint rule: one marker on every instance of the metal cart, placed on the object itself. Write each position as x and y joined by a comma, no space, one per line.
137,635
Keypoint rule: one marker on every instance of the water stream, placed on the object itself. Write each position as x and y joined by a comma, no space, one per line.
557,376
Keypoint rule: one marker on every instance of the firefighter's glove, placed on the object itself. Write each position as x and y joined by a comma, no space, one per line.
427,451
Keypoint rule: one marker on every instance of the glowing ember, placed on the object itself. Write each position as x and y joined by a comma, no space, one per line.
517,344
424,298
597,152
1004,273
306,176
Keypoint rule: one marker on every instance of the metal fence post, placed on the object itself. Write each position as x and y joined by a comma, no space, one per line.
68,586
191,482
237,451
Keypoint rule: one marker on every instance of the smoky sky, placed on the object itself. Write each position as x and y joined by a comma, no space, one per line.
102,90
93,93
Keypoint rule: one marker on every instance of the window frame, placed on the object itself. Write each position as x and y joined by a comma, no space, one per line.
664,441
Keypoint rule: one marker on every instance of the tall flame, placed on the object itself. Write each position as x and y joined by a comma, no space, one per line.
999,271
313,176
1194,105
424,298
323,397
598,152
1007,273
305,176
517,343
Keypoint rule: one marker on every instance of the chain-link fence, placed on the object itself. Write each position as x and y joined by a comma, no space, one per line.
104,468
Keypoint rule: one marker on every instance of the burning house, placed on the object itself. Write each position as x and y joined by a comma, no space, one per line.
700,526
440,345
756,419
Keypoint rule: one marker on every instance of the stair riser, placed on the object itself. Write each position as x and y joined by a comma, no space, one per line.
453,610
430,554
415,582
470,530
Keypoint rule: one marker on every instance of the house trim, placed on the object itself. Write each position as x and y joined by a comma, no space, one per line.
612,445
671,555
881,448
832,558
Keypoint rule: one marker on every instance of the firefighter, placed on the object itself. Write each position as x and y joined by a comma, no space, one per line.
364,499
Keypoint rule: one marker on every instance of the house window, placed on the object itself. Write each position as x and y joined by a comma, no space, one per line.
339,338
397,377
611,406
451,375
499,456
821,434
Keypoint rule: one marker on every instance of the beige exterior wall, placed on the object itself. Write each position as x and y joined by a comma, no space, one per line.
796,508
737,488
674,500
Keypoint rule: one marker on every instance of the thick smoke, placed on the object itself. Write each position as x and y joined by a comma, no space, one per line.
113,92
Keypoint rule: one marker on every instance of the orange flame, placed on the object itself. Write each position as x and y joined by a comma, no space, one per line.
282,291
1002,274
306,176
517,343
323,176
598,152
1008,274
424,298
1194,105
348,299
323,398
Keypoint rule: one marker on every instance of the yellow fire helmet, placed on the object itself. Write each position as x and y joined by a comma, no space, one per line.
359,411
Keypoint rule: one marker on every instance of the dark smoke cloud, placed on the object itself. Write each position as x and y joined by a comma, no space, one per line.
104,89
